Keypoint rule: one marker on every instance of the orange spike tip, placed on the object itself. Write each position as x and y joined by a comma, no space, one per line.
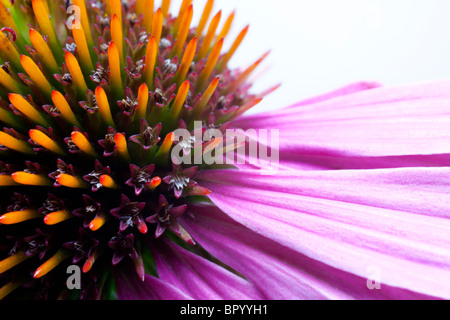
25,107
121,144
210,64
183,32
180,99
75,72
57,217
82,143
45,141
158,19
35,74
97,222
115,77
103,106
30,179
205,16
69,181
87,266
15,144
63,107
154,183
108,182
19,216
206,43
51,263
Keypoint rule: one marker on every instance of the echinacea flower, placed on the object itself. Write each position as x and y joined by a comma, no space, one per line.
90,107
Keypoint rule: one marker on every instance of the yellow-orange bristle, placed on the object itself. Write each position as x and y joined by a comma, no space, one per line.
69,181
15,144
87,266
75,72
141,109
246,73
6,180
165,147
121,144
43,18
148,15
179,100
165,6
115,77
247,106
98,222
103,106
35,74
82,143
115,7
186,62
30,179
203,102
205,16
6,18
9,83
226,27
117,36
19,216
212,144
183,32
45,141
226,58
183,10
150,61
108,182
206,44
82,48
158,19
9,51
167,143
9,118
12,261
51,263
84,20
43,50
210,64
57,217
139,6
63,107
21,104
9,287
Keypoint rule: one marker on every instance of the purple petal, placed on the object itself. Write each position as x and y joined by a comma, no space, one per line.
396,220
130,287
384,122
199,278
279,272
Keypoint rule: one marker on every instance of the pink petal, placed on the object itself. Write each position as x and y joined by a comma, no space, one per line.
396,220
200,278
279,272
130,287
382,122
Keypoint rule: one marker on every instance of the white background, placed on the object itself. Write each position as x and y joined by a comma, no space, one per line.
320,45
